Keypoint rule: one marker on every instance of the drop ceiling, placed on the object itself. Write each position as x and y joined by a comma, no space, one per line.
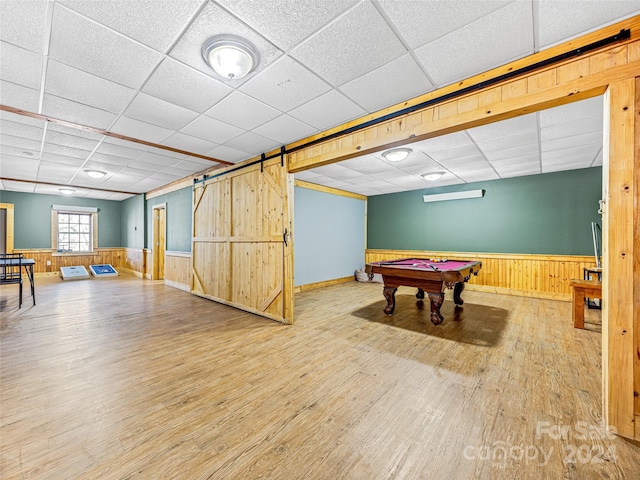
134,68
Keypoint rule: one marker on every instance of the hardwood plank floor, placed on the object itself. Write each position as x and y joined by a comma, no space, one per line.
125,378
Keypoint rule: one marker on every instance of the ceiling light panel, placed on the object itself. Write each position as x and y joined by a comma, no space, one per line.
83,44
359,42
214,20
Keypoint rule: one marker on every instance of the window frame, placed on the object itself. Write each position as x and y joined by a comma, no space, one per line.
54,230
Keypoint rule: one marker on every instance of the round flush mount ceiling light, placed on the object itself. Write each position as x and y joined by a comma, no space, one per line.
432,176
230,56
67,191
95,173
397,154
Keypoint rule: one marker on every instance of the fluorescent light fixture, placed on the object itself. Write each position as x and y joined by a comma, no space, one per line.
95,173
440,197
432,176
397,154
67,191
231,57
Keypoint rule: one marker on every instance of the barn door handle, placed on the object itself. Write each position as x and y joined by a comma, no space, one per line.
284,237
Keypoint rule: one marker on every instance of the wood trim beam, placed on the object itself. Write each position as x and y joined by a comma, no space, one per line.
555,85
107,133
331,190
37,182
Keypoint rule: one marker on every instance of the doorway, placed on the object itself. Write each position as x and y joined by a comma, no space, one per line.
159,240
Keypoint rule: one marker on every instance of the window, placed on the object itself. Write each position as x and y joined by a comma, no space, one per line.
74,232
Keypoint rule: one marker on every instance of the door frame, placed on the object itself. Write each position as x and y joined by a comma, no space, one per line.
9,227
156,274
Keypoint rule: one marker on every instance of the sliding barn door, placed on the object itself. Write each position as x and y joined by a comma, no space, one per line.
242,243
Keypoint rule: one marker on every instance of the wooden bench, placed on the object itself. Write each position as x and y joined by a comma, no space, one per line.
581,290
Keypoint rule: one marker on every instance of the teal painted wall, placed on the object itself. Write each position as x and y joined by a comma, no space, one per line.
179,220
32,222
538,214
132,224
328,235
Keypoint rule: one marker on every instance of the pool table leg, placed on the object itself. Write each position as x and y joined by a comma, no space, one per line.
420,294
457,291
390,294
436,303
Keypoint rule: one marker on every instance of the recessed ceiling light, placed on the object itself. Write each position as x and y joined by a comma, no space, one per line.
397,154
230,56
432,176
67,191
95,173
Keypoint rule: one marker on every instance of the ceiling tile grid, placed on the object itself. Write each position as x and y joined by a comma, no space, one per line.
136,69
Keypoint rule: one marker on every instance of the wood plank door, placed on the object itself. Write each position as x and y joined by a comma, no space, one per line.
242,252
159,241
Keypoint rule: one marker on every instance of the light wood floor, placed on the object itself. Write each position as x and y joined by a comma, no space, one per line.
123,378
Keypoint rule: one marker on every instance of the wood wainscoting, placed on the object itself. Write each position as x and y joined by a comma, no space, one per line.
48,262
540,276
177,270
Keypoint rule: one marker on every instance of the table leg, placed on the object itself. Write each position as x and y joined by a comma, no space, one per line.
577,301
457,291
436,303
390,294
420,294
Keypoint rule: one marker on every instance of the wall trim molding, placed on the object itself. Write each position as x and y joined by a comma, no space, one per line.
325,283
178,285
331,190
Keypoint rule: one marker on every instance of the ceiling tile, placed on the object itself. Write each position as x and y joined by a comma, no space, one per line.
285,85
21,130
286,22
392,83
582,155
477,176
253,143
186,142
20,66
589,138
140,130
422,22
570,128
73,84
19,143
153,23
212,130
18,96
110,159
152,110
55,190
76,132
356,43
511,27
109,148
367,164
327,110
158,160
24,24
214,20
65,151
56,172
18,186
517,166
584,109
21,119
509,141
229,154
242,111
72,141
169,80
62,159
518,151
285,129
564,19
80,43
75,112
18,167
511,126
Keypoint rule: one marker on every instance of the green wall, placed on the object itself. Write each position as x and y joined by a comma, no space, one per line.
32,222
178,210
539,214
132,224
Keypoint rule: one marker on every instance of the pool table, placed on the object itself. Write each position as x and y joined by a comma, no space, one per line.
431,276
